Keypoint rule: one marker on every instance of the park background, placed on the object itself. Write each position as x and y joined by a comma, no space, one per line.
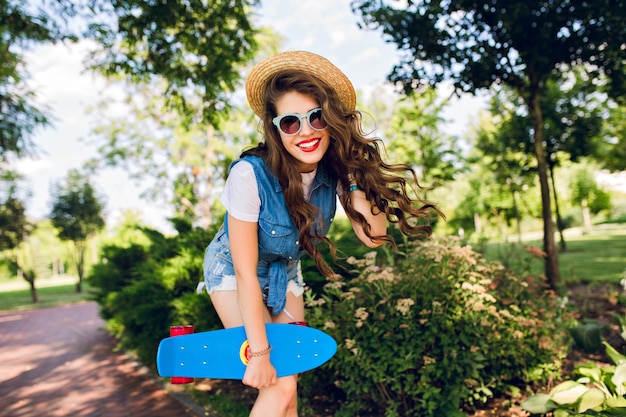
484,209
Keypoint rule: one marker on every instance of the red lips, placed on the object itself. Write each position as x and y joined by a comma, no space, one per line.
309,145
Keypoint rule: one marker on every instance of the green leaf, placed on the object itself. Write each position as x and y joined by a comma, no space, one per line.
591,371
567,392
615,356
616,402
514,391
591,399
538,404
588,336
619,379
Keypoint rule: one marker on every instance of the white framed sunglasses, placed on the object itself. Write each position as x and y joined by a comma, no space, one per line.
290,124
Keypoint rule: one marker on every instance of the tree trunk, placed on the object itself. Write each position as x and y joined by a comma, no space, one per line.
553,275
586,217
80,247
33,291
503,226
559,220
29,276
518,220
478,224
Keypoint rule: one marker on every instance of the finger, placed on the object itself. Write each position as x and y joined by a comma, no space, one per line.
248,382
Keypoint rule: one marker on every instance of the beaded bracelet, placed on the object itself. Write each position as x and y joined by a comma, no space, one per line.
260,353
352,182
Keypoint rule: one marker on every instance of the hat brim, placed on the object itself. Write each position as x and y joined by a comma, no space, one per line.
303,61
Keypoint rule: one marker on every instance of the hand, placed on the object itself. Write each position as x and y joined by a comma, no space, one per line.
260,373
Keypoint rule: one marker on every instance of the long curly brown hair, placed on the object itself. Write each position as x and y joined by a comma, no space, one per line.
389,187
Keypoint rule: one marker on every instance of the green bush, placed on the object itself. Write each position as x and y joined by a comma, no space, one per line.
440,330
116,272
138,316
143,289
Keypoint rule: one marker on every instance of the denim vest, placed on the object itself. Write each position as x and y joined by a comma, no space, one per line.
277,234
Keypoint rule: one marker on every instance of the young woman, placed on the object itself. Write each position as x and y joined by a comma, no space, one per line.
280,198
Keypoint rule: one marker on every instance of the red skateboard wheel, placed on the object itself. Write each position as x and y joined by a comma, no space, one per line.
179,331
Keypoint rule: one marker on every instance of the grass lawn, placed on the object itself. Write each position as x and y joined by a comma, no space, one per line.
15,294
597,257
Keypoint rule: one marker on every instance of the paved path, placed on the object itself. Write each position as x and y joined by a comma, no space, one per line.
57,362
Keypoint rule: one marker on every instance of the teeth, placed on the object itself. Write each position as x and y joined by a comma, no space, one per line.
308,145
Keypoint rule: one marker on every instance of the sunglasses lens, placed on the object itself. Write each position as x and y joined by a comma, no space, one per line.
290,124
316,121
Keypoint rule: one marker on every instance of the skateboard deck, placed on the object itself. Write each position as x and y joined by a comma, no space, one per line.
221,354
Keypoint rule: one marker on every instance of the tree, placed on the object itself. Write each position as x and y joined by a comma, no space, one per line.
180,128
22,26
517,43
181,164
591,198
500,148
76,214
191,52
14,228
574,112
415,137
613,152
573,109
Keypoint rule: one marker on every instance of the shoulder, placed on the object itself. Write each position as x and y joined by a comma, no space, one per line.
252,160
241,169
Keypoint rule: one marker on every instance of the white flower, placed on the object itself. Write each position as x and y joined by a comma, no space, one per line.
404,305
361,313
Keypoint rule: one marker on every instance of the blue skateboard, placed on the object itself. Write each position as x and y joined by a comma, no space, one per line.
222,354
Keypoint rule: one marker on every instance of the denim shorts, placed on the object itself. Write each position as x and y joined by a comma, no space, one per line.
219,272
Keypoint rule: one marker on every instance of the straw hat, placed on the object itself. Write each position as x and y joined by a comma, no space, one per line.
297,60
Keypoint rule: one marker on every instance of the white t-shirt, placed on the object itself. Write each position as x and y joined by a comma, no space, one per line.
241,193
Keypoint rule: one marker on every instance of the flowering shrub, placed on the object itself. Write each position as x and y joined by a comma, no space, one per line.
439,330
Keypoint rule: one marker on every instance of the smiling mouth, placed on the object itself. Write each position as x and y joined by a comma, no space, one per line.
309,145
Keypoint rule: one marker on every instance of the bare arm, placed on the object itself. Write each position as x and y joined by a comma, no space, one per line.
245,254
376,220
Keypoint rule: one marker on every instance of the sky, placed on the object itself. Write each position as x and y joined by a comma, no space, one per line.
325,27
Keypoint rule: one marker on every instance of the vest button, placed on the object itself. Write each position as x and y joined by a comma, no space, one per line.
273,232
297,242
